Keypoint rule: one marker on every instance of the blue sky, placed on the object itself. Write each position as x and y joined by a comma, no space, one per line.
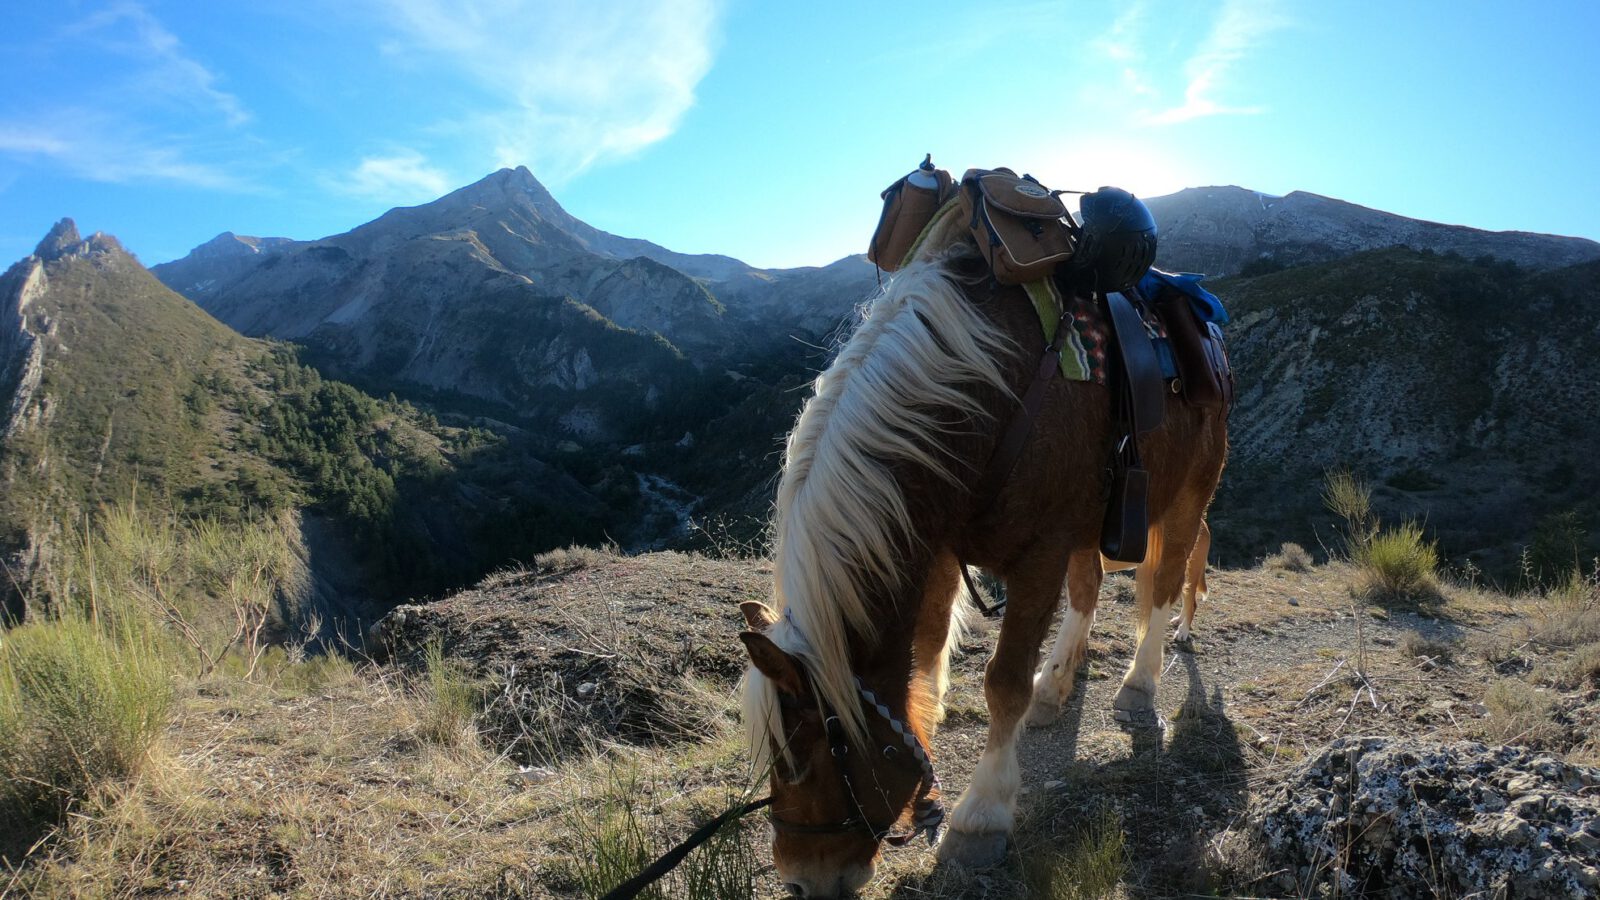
765,130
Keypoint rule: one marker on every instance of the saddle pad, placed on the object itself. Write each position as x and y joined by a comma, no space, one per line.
1206,305
1083,354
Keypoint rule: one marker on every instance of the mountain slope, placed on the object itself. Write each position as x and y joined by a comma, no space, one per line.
1465,390
492,293
1220,230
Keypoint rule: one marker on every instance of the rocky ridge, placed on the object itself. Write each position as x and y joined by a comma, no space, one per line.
1221,230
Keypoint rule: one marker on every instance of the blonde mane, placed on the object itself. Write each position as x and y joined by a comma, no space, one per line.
885,402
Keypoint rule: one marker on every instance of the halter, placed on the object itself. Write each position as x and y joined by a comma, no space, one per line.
927,815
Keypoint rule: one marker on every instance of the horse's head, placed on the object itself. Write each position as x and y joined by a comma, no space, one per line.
835,800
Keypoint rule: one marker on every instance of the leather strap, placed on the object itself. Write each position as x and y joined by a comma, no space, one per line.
1009,450
1146,385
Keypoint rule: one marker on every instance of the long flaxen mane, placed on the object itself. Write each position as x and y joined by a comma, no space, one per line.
896,385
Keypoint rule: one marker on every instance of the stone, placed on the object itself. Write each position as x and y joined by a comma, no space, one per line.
1414,819
536,774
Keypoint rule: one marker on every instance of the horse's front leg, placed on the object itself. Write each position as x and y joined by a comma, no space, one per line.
982,820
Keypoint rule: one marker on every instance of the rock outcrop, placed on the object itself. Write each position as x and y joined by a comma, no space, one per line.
1400,818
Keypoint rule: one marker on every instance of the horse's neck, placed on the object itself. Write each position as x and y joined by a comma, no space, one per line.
886,662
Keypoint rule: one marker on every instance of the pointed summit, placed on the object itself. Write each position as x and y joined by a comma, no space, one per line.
512,187
62,239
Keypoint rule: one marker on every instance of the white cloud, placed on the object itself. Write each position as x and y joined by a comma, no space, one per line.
1240,26
149,111
164,71
96,147
572,83
402,177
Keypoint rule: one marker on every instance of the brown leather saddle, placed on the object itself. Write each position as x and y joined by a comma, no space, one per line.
1140,386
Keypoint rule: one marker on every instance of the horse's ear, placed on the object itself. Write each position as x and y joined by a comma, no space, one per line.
772,662
757,615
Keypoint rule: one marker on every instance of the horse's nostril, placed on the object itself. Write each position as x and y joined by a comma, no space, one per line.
794,890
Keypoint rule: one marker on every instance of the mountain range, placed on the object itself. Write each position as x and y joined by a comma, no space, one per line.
547,382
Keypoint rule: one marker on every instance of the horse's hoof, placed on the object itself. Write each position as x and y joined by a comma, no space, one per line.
973,850
1041,713
1133,700
1147,720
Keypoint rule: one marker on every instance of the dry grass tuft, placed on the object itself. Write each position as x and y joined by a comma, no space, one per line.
572,559
1519,713
1579,669
1087,863
78,708
1568,614
1291,557
612,835
1417,646
451,699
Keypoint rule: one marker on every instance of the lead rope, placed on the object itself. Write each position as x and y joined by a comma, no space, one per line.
669,860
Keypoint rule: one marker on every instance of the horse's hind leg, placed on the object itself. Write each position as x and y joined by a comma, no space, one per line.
1194,587
1158,581
981,821
1054,683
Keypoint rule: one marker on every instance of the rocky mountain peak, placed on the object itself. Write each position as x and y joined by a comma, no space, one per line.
61,240
511,187
228,245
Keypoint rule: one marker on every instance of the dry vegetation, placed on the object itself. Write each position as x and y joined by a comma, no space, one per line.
549,732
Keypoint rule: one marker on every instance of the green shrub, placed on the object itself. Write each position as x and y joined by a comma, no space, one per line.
78,707
1399,563
1348,496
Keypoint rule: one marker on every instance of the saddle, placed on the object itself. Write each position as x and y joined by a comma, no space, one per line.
1164,330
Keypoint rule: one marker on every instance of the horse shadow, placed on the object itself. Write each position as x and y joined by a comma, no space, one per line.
1143,818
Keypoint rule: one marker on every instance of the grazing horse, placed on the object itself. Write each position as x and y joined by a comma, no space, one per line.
875,515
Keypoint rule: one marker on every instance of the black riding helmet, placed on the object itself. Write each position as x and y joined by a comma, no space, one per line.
1117,243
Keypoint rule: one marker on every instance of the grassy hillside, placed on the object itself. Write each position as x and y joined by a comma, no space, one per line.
142,397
